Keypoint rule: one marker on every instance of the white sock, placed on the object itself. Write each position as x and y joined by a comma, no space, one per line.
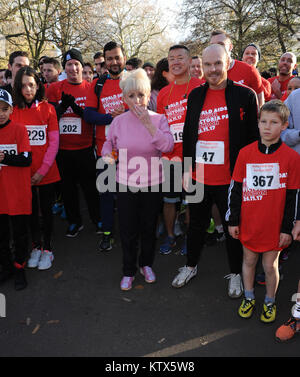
296,310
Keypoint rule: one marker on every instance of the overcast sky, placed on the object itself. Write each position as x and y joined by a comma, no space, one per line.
172,8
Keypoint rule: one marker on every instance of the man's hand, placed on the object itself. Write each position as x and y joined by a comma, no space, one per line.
234,231
296,231
285,240
118,111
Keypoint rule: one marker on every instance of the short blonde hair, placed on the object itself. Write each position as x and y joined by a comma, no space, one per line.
135,80
278,107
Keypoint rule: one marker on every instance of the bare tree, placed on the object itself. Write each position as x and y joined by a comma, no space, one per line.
130,23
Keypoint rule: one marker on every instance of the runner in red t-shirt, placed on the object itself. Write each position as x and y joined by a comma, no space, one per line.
238,71
287,63
251,56
265,183
75,158
40,119
221,118
15,197
172,101
100,110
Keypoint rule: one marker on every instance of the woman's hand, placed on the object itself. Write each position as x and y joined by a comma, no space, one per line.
36,179
142,114
109,159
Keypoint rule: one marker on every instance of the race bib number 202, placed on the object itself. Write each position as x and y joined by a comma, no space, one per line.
70,126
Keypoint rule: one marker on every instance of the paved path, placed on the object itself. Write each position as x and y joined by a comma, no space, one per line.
77,309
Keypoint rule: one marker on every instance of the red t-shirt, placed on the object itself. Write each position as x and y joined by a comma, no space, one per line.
212,149
39,119
75,133
265,178
111,97
172,102
15,182
245,74
283,86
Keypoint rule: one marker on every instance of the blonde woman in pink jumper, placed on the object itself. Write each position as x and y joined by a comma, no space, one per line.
139,137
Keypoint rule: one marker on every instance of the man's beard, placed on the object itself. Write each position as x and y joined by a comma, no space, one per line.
116,73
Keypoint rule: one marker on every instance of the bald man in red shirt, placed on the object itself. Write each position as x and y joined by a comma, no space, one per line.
287,63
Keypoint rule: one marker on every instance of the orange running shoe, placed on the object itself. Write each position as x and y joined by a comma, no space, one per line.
288,330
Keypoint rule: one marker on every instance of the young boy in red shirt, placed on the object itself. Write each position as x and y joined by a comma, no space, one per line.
15,188
262,202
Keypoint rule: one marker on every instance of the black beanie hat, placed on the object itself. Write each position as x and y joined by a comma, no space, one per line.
72,54
148,64
255,46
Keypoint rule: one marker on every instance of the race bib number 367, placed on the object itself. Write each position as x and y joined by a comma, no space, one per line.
263,176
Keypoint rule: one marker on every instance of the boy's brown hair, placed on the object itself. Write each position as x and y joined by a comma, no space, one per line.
278,107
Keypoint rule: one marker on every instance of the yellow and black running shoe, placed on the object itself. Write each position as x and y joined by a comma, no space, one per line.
268,314
247,307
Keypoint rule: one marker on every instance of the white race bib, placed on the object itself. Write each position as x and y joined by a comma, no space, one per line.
10,149
210,152
177,132
37,134
263,176
70,126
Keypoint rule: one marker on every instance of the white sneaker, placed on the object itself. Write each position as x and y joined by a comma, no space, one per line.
34,258
46,260
184,276
235,285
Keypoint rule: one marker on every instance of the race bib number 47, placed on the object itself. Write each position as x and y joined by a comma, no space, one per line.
70,126
263,176
210,152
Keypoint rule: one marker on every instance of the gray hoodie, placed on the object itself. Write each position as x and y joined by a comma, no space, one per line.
291,136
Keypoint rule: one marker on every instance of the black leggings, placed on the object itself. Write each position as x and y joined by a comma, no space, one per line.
200,215
19,227
78,167
42,201
138,214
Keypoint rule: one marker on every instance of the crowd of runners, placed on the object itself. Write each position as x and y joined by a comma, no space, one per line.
205,138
